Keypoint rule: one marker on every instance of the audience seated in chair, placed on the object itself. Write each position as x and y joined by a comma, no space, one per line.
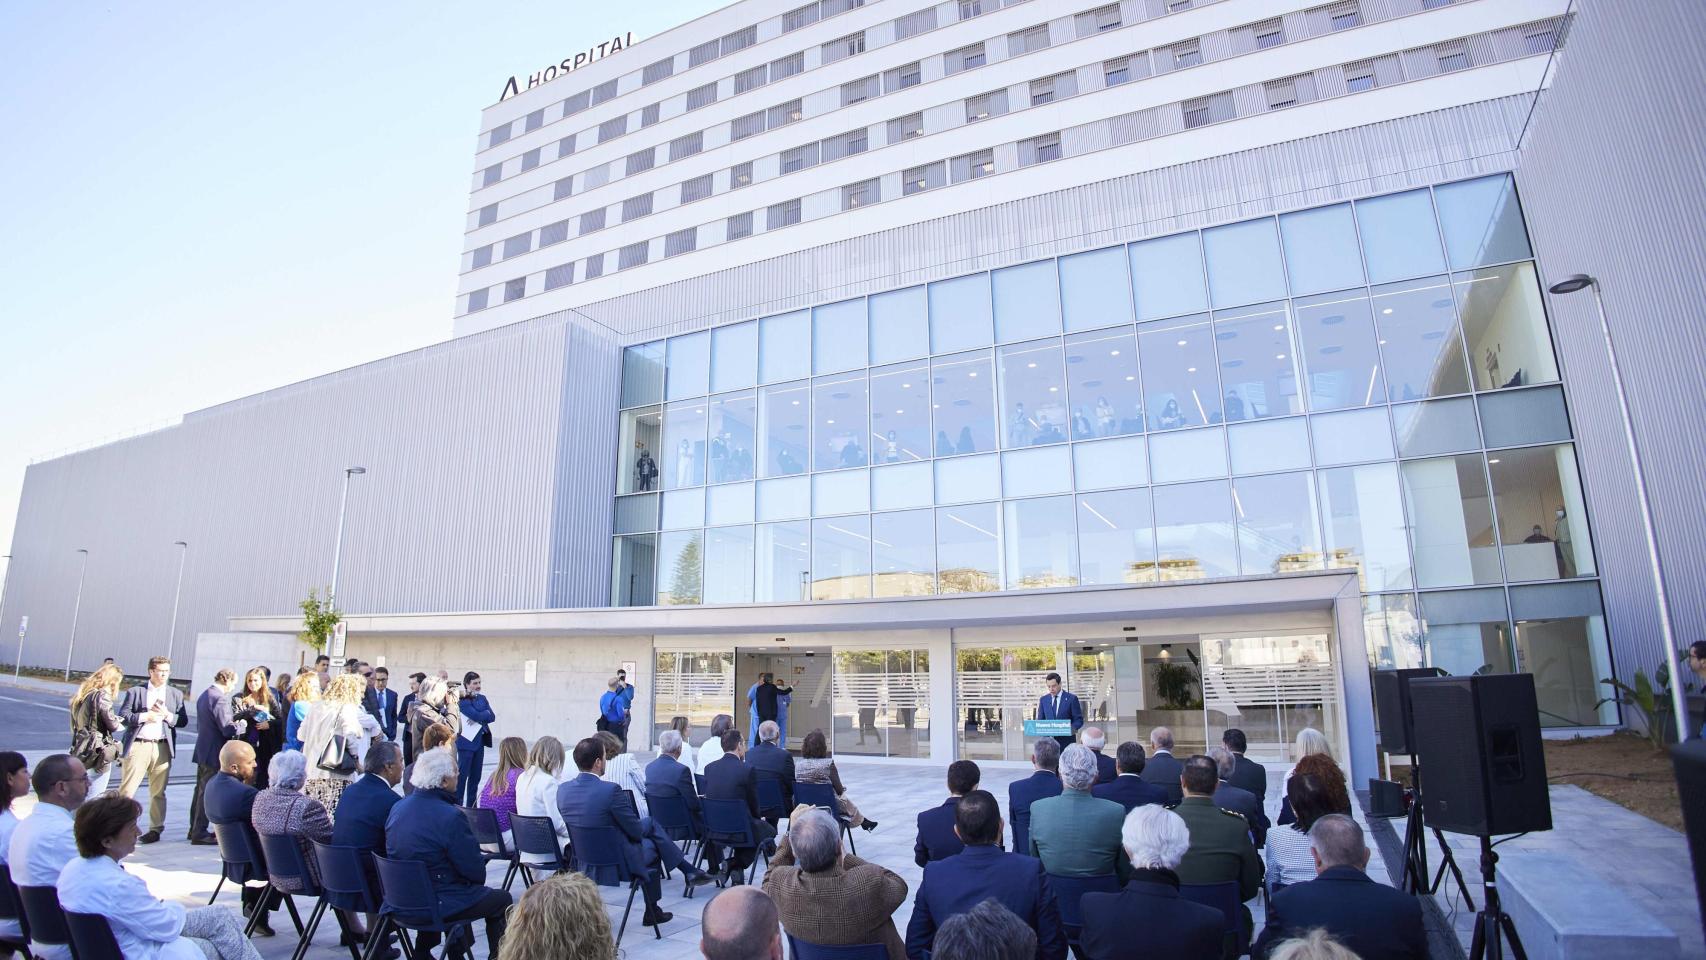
826,897
1374,921
731,778
773,762
536,788
1097,740
1044,781
1288,852
988,931
667,776
983,871
43,843
1220,849
1162,769
936,837
1075,834
15,782
366,805
1237,799
1148,920
817,766
1247,774
740,923
1317,945
230,799
559,918
1128,788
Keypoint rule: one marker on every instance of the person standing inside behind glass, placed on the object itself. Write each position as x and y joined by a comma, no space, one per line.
768,692
1019,428
1561,540
684,464
645,470
1104,417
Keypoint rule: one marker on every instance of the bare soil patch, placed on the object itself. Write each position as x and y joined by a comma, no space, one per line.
1622,768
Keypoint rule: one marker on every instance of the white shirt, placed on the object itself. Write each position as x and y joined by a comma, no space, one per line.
8,823
154,729
708,753
145,927
41,846
1288,857
536,796
624,771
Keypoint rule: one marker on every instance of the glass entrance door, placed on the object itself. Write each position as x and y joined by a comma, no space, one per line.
1271,687
996,688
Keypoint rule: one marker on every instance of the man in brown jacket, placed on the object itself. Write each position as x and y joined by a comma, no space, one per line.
828,898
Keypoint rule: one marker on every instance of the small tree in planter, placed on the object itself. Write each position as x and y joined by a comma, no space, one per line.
1649,701
318,619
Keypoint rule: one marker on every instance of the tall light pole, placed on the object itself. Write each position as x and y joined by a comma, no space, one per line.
1667,635
338,550
177,595
75,611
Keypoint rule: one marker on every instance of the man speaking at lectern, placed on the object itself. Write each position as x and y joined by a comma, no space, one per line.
1060,704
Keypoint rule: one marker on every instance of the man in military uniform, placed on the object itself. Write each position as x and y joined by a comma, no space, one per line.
1220,849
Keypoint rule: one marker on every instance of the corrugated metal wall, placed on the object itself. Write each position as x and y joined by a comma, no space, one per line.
1613,181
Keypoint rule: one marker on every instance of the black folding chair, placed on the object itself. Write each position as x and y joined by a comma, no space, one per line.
601,853
92,937
286,867
487,833
536,846
12,908
823,795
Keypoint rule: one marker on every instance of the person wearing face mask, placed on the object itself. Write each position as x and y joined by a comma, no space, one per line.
1561,543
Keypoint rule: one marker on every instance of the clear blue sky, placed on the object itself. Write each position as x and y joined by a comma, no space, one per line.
205,200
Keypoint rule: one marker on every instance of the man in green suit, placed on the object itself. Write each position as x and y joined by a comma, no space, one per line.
1221,849
1076,834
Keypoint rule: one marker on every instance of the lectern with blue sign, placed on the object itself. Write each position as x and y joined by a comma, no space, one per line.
1048,728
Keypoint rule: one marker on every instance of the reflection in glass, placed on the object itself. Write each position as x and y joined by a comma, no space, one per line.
859,700
631,583
1467,631
1194,536
963,398
900,325
1399,237
838,409
684,444
697,685
1180,388
1419,339
1041,547
1101,370
783,555
1433,427
1351,437
995,689
903,553
640,437
1243,263
1523,416
1276,523
1560,638
784,347
1392,631
1505,326
1258,368
681,562
642,374
959,314
1116,538
1341,358
728,565
1363,519
636,514
1033,395
734,356
968,549
1481,221
784,413
1027,302
900,413
1167,276
838,336
1538,496
1451,519
1321,249
689,366
908,700
1094,289
841,558
733,420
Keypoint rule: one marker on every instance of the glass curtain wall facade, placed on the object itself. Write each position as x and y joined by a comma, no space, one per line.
1367,385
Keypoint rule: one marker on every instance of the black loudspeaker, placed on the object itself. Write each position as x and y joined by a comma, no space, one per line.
1385,798
1392,706
1478,744
1690,761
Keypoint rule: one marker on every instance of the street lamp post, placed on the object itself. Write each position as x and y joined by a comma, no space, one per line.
1679,701
75,611
338,550
177,595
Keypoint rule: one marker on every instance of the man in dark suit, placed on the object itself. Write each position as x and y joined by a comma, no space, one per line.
230,798
1248,774
732,778
1097,741
1163,769
937,839
1148,920
1372,920
1237,799
1058,704
667,776
983,871
1043,782
215,725
1129,789
471,751
428,827
403,715
366,804
380,701
152,712
773,763
586,801
1220,849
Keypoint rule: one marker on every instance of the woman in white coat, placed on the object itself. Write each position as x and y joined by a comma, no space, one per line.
536,788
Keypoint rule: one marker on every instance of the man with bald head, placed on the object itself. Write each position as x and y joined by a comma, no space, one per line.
741,923
230,799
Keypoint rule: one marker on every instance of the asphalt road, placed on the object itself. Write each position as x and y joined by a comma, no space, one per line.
32,720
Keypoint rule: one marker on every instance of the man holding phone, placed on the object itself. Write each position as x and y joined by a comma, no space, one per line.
152,713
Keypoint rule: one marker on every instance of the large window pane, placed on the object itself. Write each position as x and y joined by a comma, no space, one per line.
1560,638
784,415
1042,548
1188,455
1033,398
631,583
1399,237
1276,523
784,347
683,509
1542,516
1467,632
1194,535
730,503
1116,537
784,498
697,685
1362,516
1451,519
1420,343
1110,463
908,683
1243,263
1435,427
902,485
1341,355
1027,302
1523,416
1268,445
839,333
728,565
900,413
963,398
1094,289
1180,386
636,514
900,325
734,356
684,442
844,491
642,374
784,562
734,419
1101,370
689,366
838,415
841,558
1353,436
959,314
1029,473
1505,326
1393,631
903,553
968,549
1258,368
967,479
1481,221
681,566
995,688
1321,249
1167,276
640,442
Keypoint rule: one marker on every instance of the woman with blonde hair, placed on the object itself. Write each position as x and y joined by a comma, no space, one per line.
1317,944
335,738
1314,754
536,788
259,708
560,918
304,691
95,726
433,704
499,796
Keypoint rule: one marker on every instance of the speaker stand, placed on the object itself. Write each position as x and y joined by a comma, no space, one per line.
1492,921
1415,871
1449,862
